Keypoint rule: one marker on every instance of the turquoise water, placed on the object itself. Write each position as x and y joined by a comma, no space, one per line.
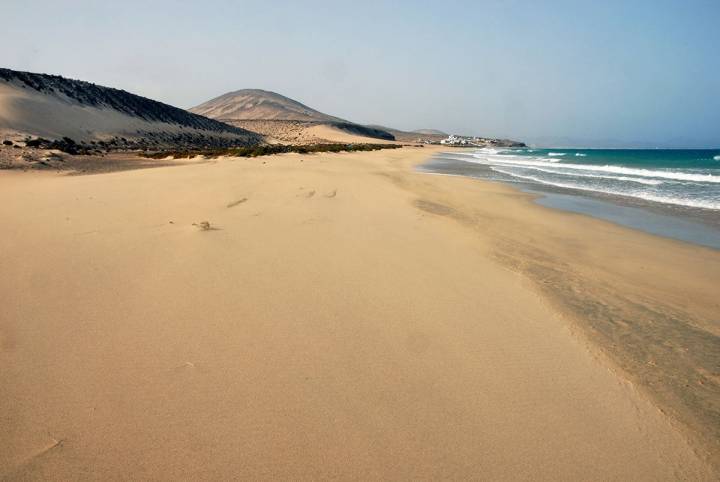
672,193
679,177
654,222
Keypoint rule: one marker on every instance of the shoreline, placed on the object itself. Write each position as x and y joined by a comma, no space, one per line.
697,226
570,298
345,315
655,220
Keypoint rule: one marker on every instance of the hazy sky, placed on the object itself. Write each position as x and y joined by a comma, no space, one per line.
594,72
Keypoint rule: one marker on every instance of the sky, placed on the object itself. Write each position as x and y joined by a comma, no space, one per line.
632,73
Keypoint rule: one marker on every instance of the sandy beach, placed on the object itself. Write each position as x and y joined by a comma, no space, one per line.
344,316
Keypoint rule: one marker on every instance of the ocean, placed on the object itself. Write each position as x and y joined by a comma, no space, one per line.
670,192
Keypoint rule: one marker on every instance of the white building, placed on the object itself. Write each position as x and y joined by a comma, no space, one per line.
454,140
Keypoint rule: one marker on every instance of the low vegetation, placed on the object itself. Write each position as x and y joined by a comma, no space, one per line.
149,142
65,144
267,150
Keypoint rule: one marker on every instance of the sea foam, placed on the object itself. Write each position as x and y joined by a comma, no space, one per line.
627,171
648,196
647,182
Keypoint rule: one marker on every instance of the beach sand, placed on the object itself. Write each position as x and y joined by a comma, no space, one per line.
342,316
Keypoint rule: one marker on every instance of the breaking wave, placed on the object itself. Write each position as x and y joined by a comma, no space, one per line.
648,196
627,171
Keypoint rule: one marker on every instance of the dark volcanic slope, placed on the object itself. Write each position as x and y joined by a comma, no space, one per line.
55,108
86,93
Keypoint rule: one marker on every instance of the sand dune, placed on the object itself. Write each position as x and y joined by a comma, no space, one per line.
341,317
331,133
23,111
53,107
300,132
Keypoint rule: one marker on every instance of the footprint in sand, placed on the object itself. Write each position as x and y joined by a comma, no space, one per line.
187,367
235,203
331,194
52,445
310,194
205,226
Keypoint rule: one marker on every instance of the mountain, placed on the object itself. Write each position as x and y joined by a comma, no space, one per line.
284,119
257,104
53,107
431,132
430,135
